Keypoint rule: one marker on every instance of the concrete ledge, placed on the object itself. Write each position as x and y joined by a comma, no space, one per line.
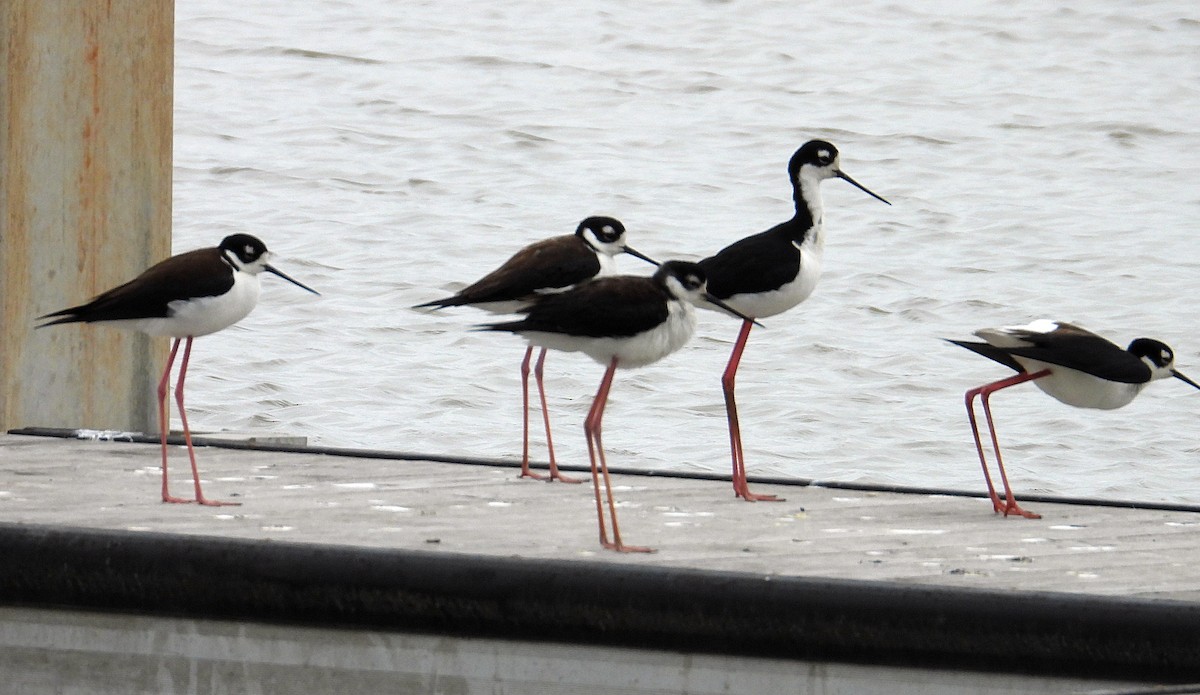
584,602
293,444
87,653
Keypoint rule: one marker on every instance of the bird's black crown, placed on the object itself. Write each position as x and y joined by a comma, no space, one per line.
606,229
690,275
244,247
816,152
1156,351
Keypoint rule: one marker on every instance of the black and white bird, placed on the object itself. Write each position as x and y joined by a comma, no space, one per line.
545,267
770,272
1070,363
622,321
186,296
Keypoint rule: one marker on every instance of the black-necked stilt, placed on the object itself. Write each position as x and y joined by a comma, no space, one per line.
185,296
1070,363
547,266
624,320
770,272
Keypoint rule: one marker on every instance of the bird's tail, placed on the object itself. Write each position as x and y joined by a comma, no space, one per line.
989,351
64,316
437,304
508,326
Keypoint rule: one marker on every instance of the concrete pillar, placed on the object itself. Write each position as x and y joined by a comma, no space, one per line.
85,203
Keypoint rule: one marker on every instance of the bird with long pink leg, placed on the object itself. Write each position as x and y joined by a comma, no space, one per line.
545,267
770,272
184,297
1072,364
624,321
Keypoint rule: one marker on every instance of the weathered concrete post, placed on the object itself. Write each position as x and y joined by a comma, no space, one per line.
85,202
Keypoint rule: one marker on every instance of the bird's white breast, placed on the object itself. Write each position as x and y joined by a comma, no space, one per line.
653,345
764,304
1081,389
637,350
608,265
204,315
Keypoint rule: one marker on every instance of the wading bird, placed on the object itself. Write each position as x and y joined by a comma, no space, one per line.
622,321
770,272
1071,364
185,296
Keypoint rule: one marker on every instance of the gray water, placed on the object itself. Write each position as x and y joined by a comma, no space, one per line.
1041,161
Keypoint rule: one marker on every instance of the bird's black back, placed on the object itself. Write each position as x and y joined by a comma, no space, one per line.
199,273
549,264
617,307
1068,347
758,263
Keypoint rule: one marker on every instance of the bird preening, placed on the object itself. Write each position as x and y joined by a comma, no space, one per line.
185,296
1070,363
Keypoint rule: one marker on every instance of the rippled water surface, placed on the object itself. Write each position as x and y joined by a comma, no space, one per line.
1042,161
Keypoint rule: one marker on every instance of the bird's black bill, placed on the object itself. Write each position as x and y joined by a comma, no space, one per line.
1184,379
297,283
717,302
846,177
638,254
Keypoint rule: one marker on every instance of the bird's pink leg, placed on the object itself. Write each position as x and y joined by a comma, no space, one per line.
587,432
538,372
163,424
591,429
985,392
997,505
526,472
740,487
187,433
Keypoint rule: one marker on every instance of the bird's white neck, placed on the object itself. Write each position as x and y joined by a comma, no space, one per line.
810,209
608,265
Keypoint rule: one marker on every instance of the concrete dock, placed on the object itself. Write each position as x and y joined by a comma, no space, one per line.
1083,570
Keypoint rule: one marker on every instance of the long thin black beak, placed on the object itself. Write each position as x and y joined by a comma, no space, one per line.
638,254
846,177
297,283
717,302
1184,379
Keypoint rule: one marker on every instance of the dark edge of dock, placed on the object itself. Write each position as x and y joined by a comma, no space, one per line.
601,603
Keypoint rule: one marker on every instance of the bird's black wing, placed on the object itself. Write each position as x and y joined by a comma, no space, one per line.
1087,353
739,268
609,307
550,264
199,273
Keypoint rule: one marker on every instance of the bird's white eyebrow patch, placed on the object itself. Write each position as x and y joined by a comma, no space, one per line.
608,229
823,154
